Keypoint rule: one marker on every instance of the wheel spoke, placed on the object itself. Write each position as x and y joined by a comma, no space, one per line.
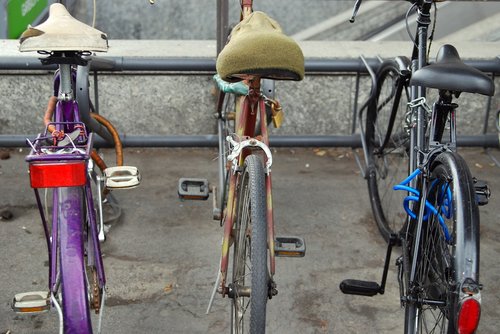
434,294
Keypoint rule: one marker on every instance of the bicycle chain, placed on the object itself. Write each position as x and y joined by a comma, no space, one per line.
96,292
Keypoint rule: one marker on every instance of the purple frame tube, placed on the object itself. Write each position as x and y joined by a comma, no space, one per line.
68,222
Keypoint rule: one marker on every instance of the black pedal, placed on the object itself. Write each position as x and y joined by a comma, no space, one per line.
193,189
483,192
361,288
289,247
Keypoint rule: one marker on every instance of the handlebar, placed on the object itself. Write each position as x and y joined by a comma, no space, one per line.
419,3
357,4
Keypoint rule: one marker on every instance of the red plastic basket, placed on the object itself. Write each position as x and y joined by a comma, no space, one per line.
57,174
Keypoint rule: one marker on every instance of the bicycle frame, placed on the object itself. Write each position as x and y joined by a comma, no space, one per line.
247,214
432,161
61,158
245,125
54,167
419,60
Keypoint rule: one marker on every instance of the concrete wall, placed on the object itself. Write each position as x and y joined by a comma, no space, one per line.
172,103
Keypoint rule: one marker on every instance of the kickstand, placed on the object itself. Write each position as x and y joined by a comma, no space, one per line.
216,285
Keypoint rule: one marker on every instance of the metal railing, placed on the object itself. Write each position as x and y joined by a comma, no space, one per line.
355,67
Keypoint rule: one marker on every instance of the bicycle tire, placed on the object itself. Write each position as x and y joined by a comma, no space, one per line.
444,264
387,143
74,289
250,251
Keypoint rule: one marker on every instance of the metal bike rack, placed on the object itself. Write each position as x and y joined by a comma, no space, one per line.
206,65
352,141
196,65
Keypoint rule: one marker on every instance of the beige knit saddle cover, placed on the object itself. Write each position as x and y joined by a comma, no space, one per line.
257,46
62,32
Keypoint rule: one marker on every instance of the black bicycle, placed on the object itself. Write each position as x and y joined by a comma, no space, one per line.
413,155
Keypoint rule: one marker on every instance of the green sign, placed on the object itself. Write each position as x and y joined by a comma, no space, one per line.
20,13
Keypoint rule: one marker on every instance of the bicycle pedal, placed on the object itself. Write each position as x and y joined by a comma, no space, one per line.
483,192
289,247
122,177
31,302
193,189
361,288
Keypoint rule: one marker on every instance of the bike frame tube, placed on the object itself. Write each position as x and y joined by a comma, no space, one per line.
419,60
96,247
244,126
269,195
73,210
246,119
417,134
222,155
45,230
53,284
228,227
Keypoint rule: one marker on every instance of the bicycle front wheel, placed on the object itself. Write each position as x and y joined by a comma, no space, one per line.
387,144
74,293
250,286
447,260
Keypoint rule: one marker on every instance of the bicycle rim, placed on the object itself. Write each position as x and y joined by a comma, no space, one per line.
74,293
225,128
444,249
250,271
387,150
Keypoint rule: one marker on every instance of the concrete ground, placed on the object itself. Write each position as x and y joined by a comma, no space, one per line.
161,259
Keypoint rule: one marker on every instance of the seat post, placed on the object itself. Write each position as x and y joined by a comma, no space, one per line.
65,88
246,8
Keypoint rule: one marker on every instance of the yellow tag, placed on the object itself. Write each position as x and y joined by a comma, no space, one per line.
277,115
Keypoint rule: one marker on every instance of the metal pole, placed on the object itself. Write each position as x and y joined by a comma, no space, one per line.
352,141
312,66
222,23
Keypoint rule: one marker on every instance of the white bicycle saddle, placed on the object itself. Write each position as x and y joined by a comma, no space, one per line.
62,32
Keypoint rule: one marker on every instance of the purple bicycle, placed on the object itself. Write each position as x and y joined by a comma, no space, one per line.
62,161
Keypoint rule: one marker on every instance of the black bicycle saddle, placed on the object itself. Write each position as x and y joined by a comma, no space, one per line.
450,73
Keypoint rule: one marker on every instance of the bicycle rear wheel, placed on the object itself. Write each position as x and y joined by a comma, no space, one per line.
74,289
448,256
387,143
250,286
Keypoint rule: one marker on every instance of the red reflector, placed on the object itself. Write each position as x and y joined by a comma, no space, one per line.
468,316
49,175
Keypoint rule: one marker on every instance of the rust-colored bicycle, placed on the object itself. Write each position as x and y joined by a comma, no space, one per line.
256,54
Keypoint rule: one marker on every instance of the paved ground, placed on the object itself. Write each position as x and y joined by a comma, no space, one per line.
161,258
